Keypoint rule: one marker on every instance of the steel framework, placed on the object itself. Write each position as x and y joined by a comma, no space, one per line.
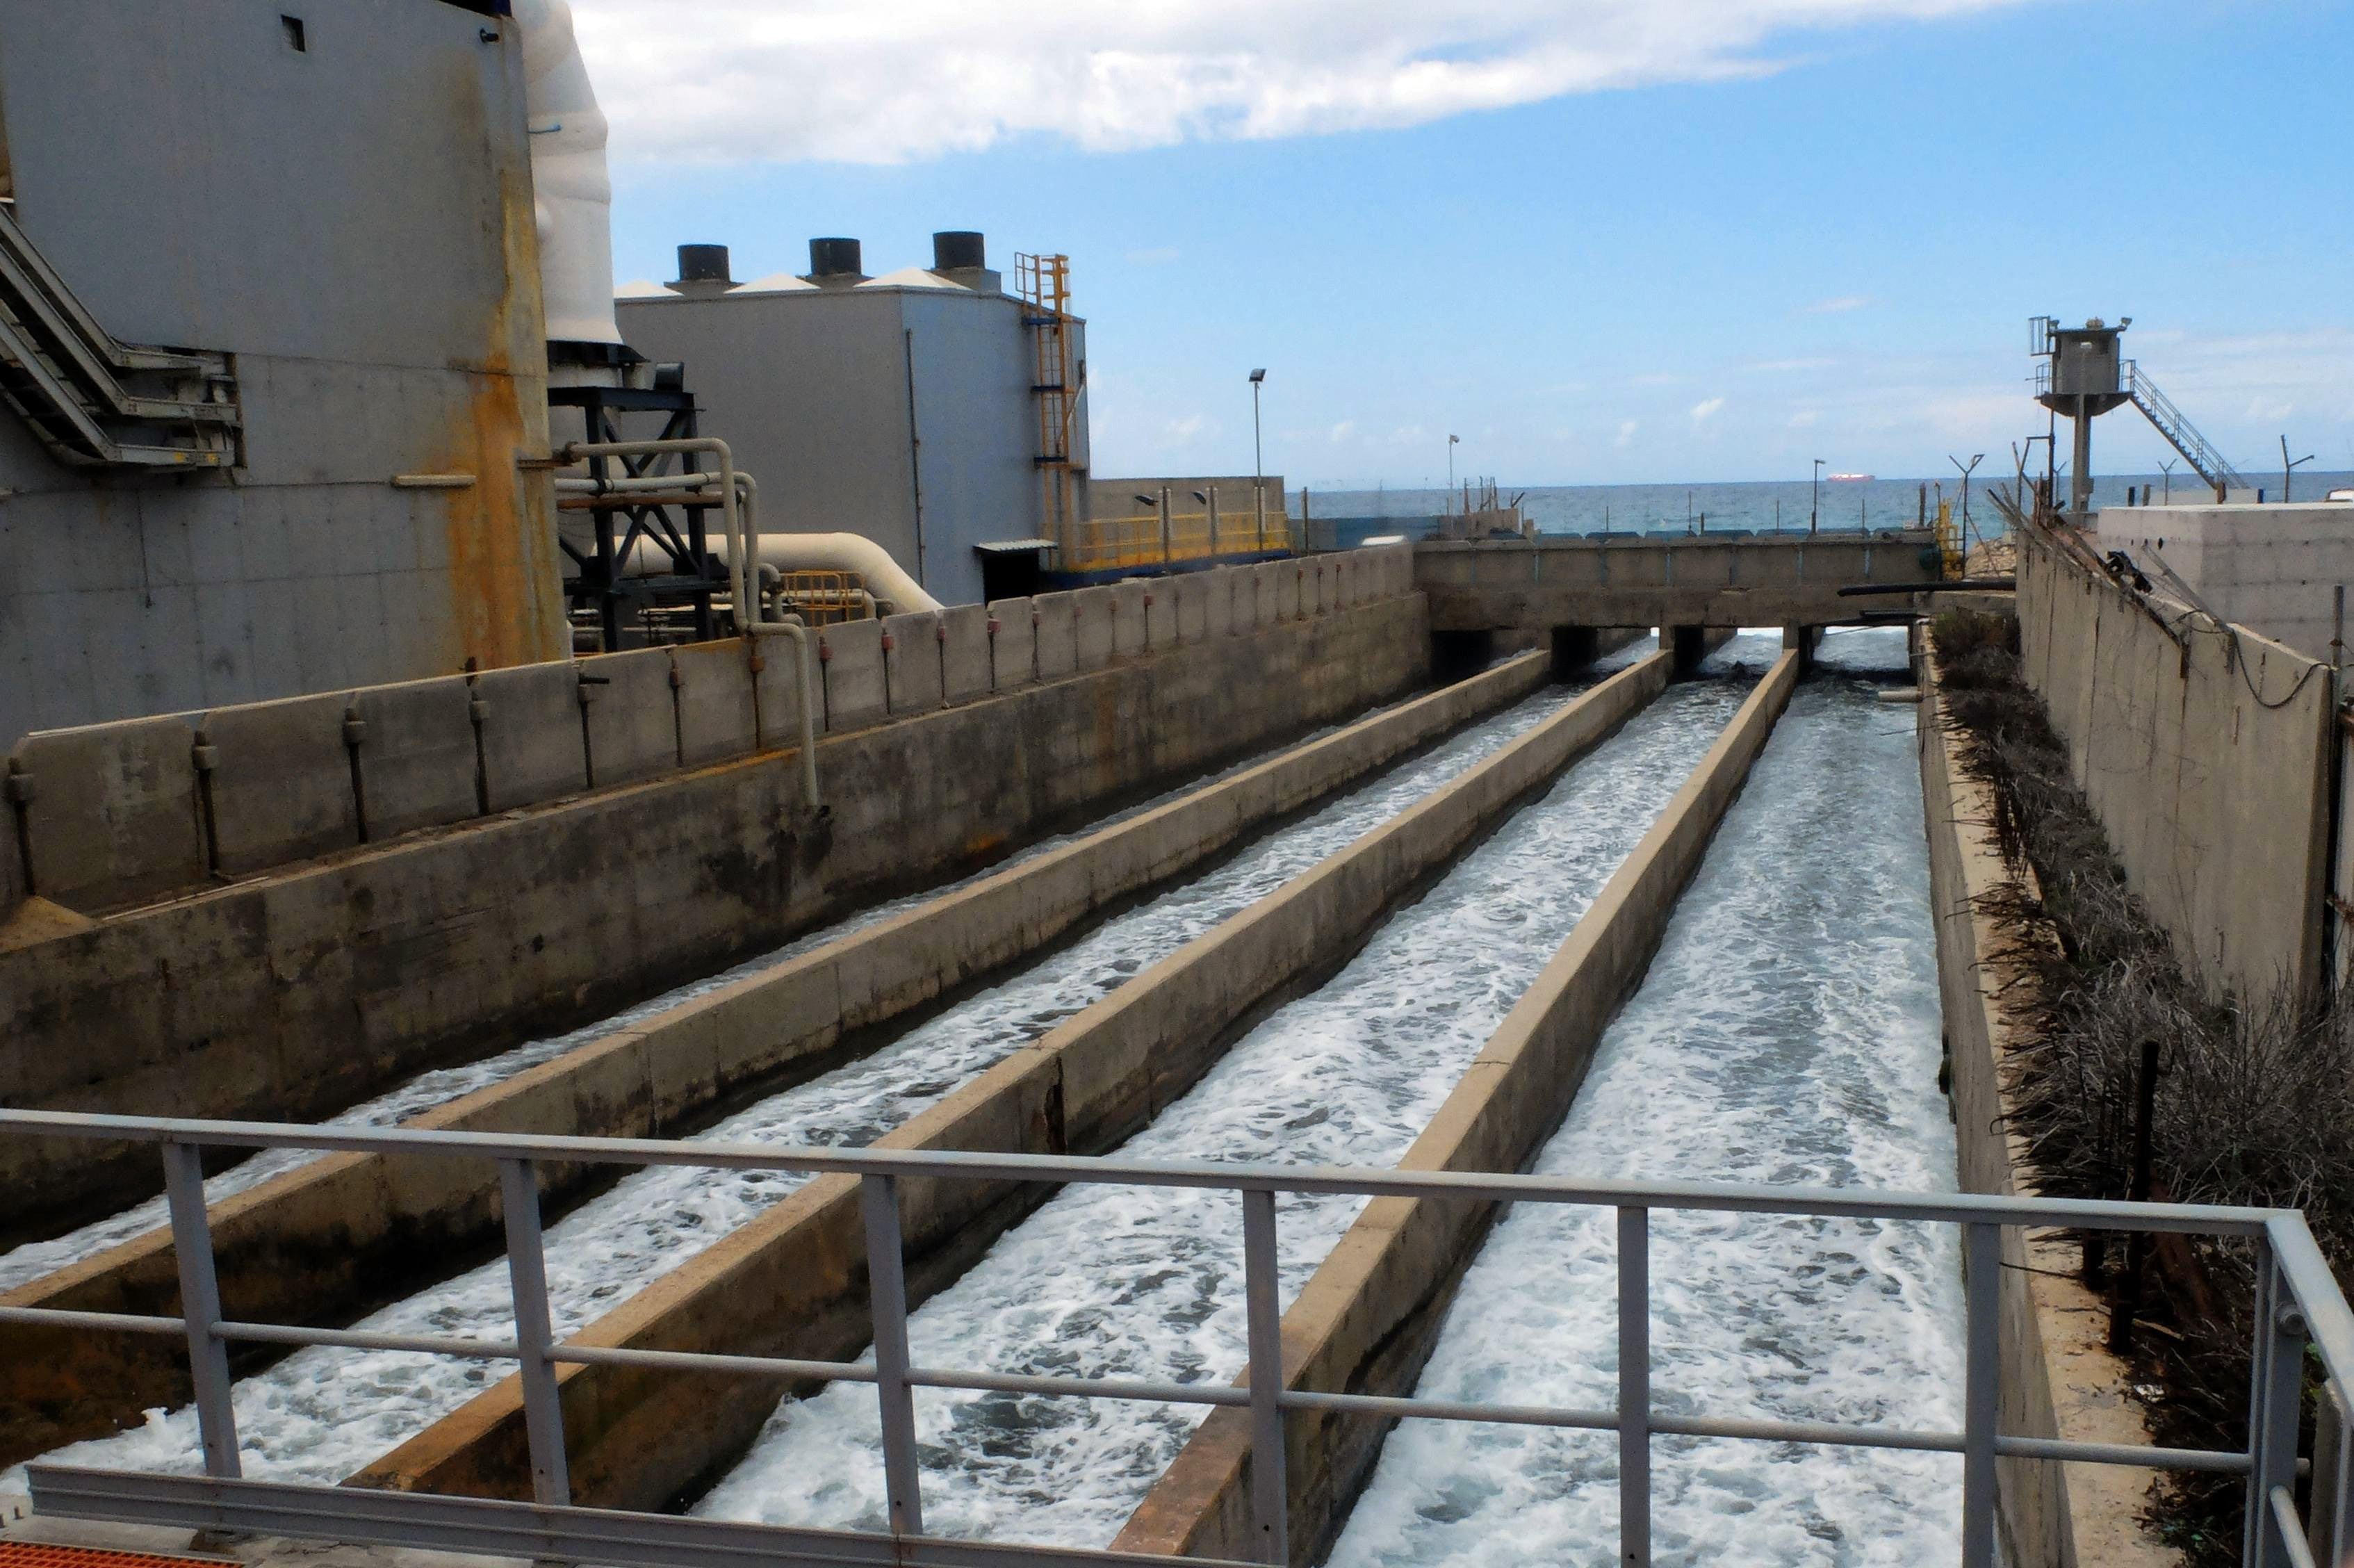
2300,1309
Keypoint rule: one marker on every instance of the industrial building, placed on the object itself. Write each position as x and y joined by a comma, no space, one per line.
929,409
329,207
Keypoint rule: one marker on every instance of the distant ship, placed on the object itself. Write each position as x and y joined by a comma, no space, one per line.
1848,478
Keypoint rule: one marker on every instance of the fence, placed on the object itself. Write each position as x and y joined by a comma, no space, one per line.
1103,544
2299,1308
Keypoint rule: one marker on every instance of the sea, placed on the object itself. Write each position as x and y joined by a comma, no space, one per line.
1767,506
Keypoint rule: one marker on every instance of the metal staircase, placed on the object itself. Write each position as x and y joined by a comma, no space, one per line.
2196,450
96,403
1044,284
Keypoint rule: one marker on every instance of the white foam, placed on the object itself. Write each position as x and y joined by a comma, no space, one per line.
321,1414
1130,1282
1788,1033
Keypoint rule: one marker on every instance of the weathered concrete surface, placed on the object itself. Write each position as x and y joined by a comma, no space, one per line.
629,715
279,783
309,989
857,688
527,720
792,1282
322,1244
416,751
1366,1320
1567,580
2214,799
966,658
718,713
911,656
133,824
2058,1377
1013,643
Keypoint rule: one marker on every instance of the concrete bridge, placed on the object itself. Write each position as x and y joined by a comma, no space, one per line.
1696,580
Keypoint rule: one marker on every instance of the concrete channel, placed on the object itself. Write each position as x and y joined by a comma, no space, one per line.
339,1235
1785,1035
645,1226
793,1280
1116,1283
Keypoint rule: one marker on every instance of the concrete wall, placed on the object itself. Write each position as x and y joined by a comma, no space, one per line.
1366,1320
2273,570
354,223
1234,492
792,1281
1965,865
1571,580
2205,757
322,1243
817,393
298,992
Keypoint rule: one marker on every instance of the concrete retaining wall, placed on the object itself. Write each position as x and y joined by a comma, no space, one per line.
1366,1321
2215,799
792,1282
320,1244
116,815
1966,865
303,990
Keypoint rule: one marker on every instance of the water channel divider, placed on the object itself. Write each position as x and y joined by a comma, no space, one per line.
793,1281
1367,1320
326,1241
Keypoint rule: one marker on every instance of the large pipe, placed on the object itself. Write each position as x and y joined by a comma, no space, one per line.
572,190
738,505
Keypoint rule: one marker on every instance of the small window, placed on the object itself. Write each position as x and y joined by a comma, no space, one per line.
295,38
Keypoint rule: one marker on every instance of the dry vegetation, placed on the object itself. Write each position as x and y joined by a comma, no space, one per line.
2254,1101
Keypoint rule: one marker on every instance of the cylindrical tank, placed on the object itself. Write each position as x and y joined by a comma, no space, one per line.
702,264
834,258
957,249
572,189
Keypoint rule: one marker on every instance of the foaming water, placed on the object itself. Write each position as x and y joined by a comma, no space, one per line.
321,1414
1788,1033
1139,1282
32,1260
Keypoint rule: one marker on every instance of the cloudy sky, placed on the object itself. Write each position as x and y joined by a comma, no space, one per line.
1603,240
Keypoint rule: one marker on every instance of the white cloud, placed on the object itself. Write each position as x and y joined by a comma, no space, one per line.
2261,410
755,80
1805,419
1840,306
1342,431
1626,436
1704,412
1182,432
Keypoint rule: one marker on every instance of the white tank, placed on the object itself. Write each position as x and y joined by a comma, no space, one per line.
574,190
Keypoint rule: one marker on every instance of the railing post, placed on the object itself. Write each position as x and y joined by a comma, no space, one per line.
543,1405
200,1308
1982,1389
1271,1491
2275,1389
886,1284
1634,1387
2326,1536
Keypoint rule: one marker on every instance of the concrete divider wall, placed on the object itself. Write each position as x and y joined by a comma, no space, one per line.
968,665
629,715
1966,865
792,1281
303,990
719,707
322,1244
2214,798
276,781
911,662
1013,643
1366,1320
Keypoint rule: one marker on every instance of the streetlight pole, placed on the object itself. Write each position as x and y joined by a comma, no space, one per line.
1966,487
1815,513
2289,468
2166,468
1258,461
1451,470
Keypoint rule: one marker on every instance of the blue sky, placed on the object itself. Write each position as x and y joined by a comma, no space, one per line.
1819,240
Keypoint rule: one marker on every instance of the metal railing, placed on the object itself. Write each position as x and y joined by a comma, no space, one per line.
1101,544
2180,432
2299,1308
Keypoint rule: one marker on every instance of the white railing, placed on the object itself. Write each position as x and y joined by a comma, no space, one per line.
2299,1308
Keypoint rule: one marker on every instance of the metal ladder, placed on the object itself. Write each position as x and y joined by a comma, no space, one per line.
95,402
2175,426
1044,285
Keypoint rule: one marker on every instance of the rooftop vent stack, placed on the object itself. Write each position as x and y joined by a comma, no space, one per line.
702,271
961,256
834,263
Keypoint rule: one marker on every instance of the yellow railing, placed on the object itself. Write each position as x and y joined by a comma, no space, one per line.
1103,544
823,599
1950,544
